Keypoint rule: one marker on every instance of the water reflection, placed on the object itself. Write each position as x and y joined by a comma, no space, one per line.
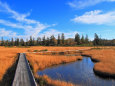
80,72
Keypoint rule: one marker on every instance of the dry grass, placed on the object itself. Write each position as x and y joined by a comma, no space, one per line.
56,82
106,58
6,60
63,48
50,48
39,62
7,55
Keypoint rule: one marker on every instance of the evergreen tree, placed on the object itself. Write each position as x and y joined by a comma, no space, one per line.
39,41
82,39
6,43
31,41
17,42
96,40
59,40
12,42
86,39
2,41
47,42
43,41
21,42
52,40
62,38
77,39
27,42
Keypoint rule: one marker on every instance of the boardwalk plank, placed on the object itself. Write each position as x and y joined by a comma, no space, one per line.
23,75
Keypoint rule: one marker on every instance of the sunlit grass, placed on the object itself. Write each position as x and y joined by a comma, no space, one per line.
40,62
106,58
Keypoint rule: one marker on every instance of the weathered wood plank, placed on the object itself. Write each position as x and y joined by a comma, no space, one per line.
23,75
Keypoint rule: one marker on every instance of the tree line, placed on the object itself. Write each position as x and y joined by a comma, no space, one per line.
102,42
60,41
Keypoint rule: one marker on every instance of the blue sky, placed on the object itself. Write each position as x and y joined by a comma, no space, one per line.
25,18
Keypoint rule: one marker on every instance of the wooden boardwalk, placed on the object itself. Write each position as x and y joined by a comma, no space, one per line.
23,75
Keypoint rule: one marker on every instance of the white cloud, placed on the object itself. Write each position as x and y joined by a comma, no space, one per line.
86,3
7,33
17,16
54,32
50,32
96,17
31,27
14,25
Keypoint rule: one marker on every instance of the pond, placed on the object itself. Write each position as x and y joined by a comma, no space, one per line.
79,72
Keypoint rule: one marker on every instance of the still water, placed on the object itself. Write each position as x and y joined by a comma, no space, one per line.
80,73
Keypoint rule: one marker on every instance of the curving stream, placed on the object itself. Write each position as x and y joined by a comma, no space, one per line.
79,72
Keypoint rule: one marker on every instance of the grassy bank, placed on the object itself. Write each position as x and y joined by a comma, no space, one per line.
6,61
105,58
104,55
8,77
40,62
7,55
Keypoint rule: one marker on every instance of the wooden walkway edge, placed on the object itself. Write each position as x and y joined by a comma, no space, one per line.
23,74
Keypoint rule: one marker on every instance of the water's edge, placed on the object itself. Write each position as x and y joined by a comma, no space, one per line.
78,73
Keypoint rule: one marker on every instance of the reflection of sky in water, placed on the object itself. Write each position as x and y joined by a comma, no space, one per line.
80,72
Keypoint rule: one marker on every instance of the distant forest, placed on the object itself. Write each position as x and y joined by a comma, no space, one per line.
60,41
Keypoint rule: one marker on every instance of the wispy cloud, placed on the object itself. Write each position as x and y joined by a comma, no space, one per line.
15,15
31,27
7,33
96,17
86,3
11,24
50,32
